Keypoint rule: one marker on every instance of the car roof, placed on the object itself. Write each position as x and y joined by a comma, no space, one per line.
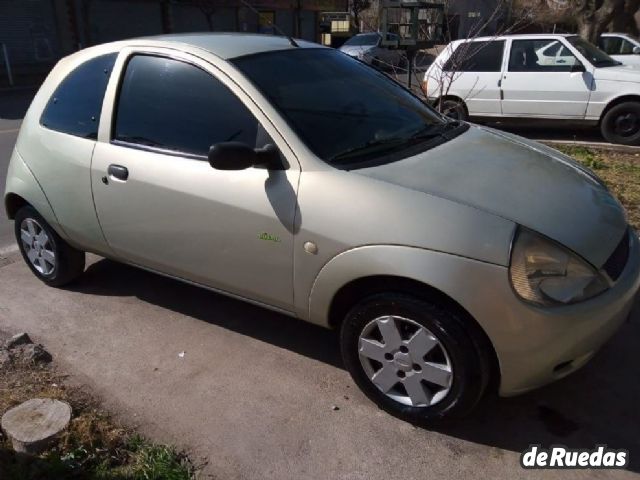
518,36
231,45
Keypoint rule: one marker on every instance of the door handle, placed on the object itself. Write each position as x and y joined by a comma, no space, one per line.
118,172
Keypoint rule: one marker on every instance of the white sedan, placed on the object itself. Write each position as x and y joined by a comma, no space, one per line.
548,77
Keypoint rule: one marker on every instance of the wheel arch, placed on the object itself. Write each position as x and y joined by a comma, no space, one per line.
12,203
356,290
451,96
449,280
23,188
618,101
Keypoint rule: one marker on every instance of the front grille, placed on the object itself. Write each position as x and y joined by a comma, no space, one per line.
618,259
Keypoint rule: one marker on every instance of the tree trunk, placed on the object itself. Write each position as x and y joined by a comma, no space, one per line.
34,424
624,18
592,21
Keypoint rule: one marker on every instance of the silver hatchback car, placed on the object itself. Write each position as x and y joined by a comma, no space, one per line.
451,257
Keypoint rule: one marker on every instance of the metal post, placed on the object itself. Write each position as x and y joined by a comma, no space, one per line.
7,64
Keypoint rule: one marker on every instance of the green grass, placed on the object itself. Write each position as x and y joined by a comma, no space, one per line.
147,461
92,447
585,156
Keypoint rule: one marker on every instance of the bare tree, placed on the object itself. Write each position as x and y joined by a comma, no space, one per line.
592,17
208,9
356,7
442,76
624,18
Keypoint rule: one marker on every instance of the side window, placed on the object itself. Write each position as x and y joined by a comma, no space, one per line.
75,106
476,57
540,56
174,105
626,48
611,45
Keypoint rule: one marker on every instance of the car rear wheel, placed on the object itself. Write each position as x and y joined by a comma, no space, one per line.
621,124
48,256
455,109
414,359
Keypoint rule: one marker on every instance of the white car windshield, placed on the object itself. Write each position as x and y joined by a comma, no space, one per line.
367,39
596,57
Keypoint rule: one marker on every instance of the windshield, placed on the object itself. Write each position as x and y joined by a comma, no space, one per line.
366,39
343,110
592,53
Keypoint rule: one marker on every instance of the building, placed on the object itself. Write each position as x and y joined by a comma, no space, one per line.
36,33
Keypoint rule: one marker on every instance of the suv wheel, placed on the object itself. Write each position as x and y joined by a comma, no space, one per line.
48,256
414,359
621,124
455,109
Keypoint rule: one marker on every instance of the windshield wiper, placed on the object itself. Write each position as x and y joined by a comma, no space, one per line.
432,131
372,146
607,63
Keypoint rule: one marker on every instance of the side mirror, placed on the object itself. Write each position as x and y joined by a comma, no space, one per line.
578,67
240,156
636,50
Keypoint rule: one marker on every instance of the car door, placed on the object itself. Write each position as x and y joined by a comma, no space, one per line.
541,80
162,206
475,70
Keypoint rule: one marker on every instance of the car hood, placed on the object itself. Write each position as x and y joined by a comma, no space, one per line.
355,50
620,73
523,181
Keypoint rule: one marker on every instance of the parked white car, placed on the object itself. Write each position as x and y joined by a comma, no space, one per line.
555,77
621,47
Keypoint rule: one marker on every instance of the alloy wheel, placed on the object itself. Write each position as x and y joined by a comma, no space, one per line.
405,361
38,246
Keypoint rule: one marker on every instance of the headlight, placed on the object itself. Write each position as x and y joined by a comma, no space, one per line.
544,273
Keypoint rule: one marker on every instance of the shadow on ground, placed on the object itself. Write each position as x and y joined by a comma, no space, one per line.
597,405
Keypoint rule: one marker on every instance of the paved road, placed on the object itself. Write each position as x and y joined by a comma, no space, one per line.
12,109
254,391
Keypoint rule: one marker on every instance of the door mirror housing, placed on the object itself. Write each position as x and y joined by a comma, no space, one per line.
578,67
636,50
240,156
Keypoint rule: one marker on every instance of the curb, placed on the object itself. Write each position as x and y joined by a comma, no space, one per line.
597,145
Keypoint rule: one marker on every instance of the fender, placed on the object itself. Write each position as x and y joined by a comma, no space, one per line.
22,182
469,282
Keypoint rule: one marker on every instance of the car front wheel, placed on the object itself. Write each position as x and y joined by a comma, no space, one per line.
49,257
414,359
454,109
621,124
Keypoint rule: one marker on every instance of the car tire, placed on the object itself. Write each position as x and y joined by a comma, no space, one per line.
49,257
453,108
430,336
621,124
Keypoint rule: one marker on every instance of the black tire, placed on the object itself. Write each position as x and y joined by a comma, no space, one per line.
69,262
455,109
470,362
621,124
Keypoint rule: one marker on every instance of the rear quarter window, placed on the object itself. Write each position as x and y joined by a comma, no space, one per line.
75,106
476,57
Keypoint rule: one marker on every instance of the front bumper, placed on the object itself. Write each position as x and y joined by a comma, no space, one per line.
538,345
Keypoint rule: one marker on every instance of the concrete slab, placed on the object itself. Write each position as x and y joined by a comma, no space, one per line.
254,391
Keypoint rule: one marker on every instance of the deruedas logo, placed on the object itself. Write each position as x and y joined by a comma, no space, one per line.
558,456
